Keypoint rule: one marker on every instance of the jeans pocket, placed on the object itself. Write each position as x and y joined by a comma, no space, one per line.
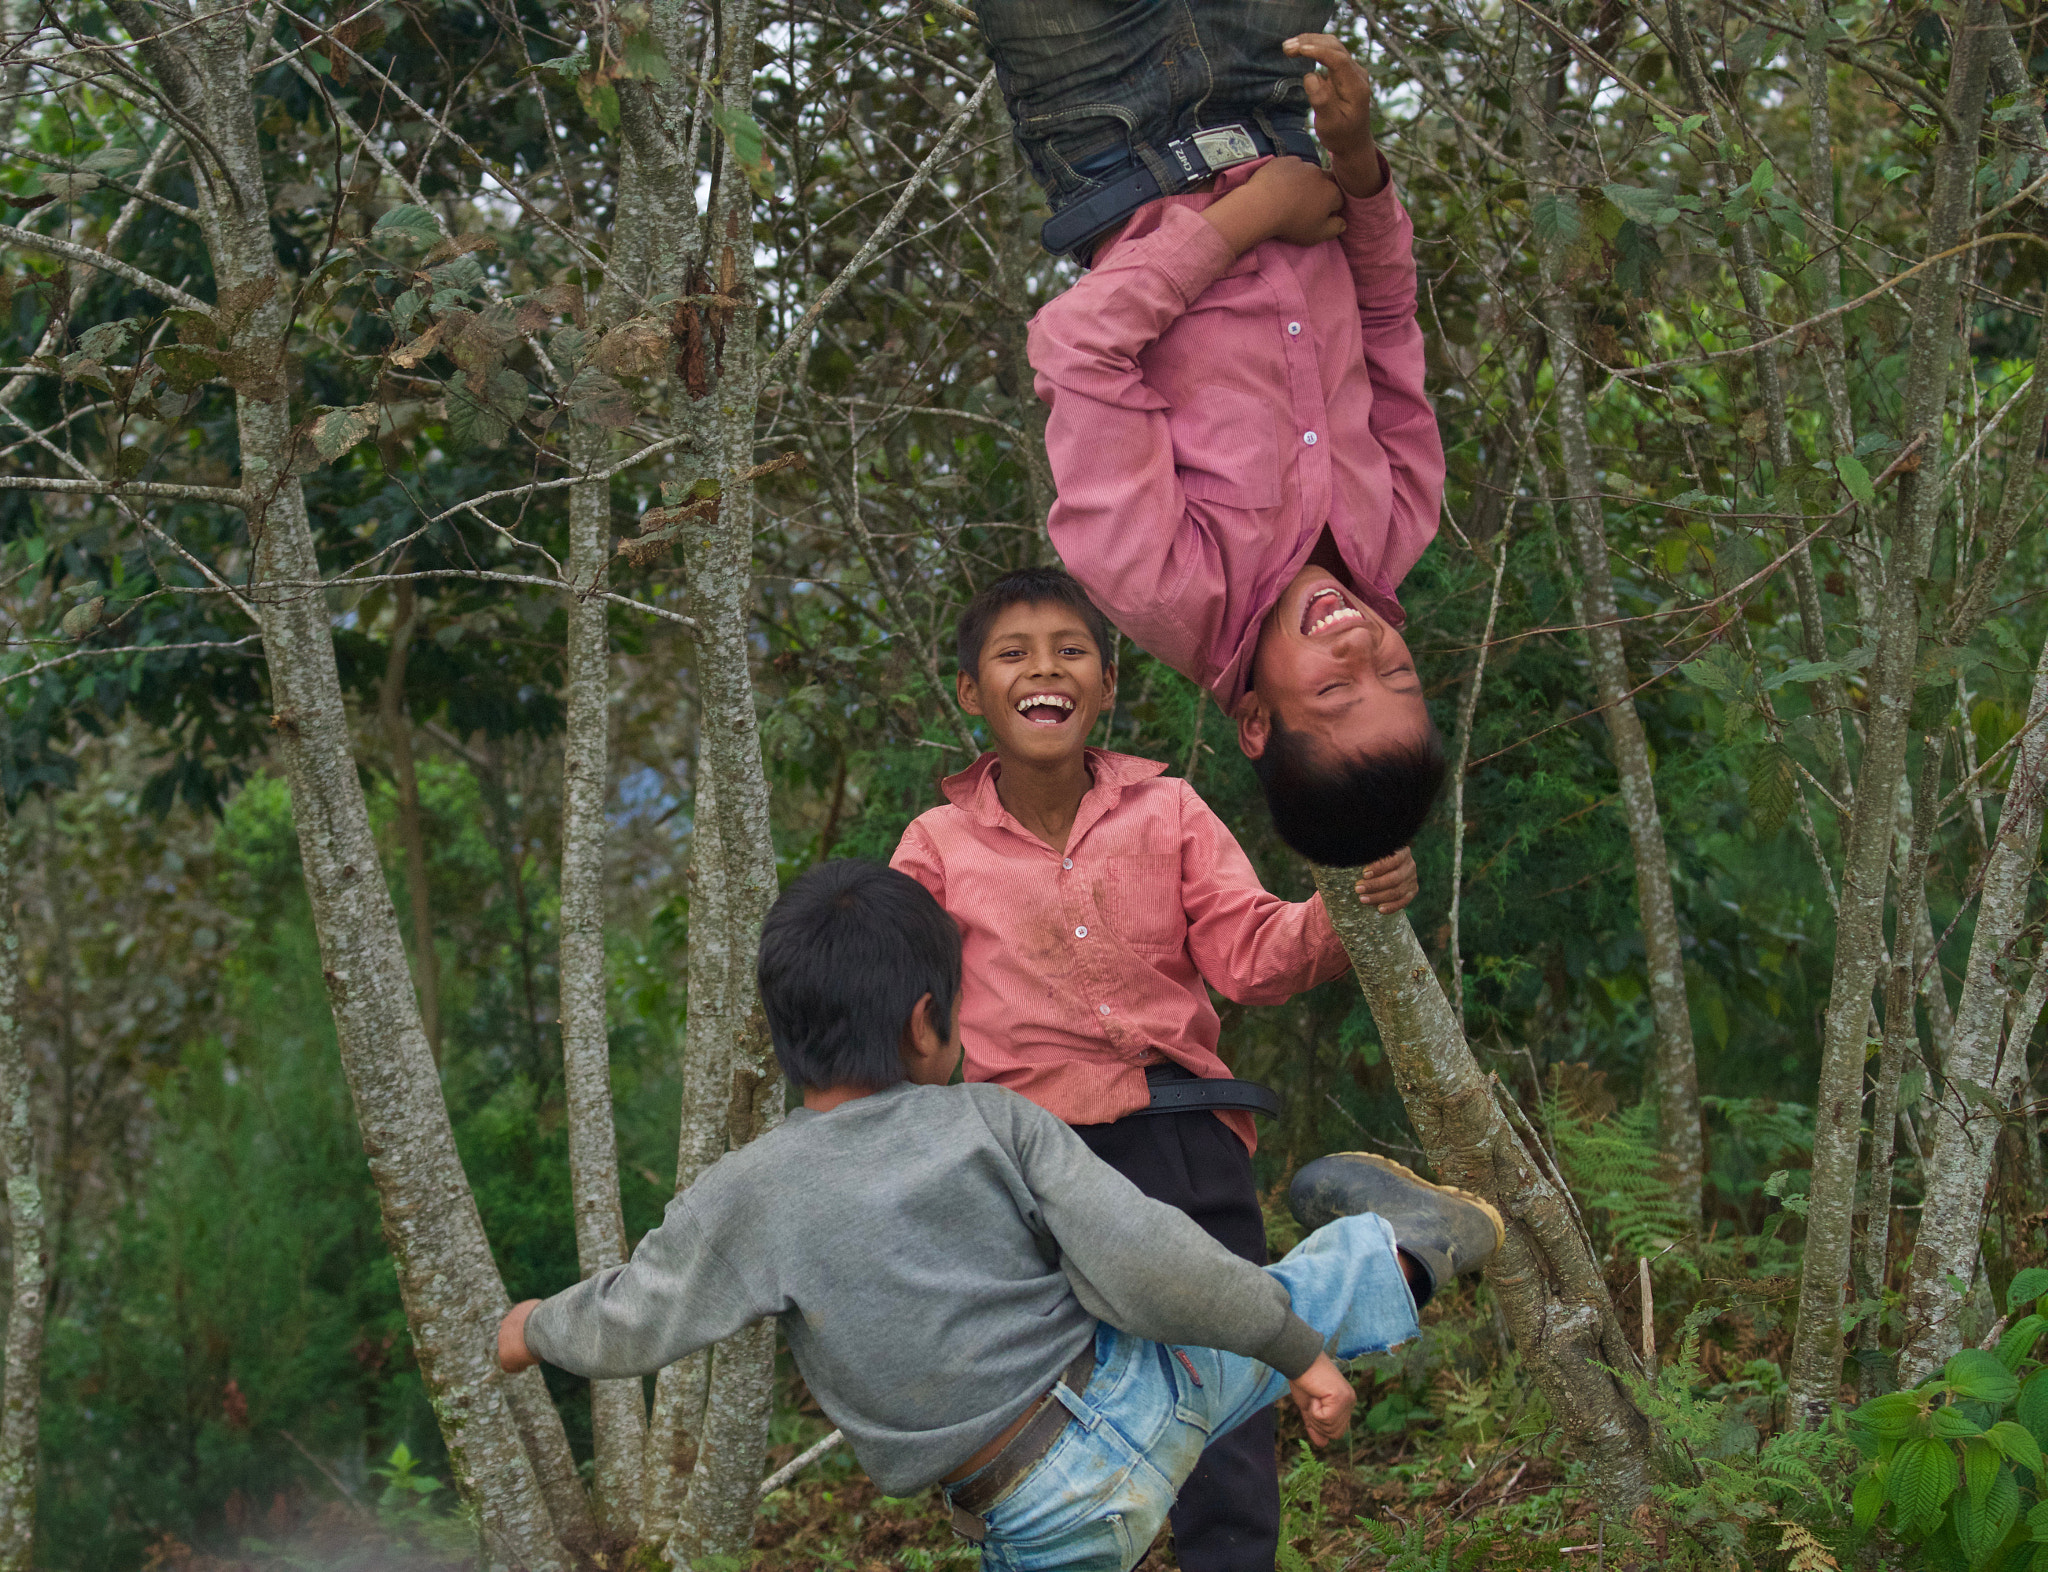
1191,1389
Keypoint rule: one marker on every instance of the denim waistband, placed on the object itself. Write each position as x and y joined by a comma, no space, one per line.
1117,183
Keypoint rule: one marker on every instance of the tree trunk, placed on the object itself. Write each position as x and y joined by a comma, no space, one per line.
426,964
20,1429
1984,1071
527,1505
1676,1070
1859,936
1545,1277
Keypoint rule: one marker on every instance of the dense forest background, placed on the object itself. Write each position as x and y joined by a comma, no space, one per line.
457,296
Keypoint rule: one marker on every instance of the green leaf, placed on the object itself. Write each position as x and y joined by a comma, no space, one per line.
1555,216
1980,1463
1773,788
105,340
2016,1444
410,220
601,101
1645,207
2037,1522
1856,478
1952,1424
2019,1341
1981,1524
185,366
640,56
1890,1417
596,398
473,422
1867,1500
1979,1376
742,133
2032,1408
112,160
2026,1287
1922,1477
338,430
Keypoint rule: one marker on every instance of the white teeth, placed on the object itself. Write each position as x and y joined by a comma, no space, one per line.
1057,701
1341,614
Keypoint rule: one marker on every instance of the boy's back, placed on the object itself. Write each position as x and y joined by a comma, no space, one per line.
937,1255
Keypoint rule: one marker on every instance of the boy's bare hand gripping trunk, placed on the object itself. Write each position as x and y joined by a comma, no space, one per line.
1325,1399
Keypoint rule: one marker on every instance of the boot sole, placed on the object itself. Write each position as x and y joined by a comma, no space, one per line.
1500,1232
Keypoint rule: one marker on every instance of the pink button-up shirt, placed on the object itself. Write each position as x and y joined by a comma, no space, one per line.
1083,967
1210,415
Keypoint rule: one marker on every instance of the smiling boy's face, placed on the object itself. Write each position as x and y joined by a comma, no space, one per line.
1330,666
1040,683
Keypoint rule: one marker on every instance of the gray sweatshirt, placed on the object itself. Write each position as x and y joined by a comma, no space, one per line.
936,1255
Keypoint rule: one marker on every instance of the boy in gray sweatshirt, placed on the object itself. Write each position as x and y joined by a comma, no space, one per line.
971,1295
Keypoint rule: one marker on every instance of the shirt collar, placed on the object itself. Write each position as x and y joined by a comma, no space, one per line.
973,790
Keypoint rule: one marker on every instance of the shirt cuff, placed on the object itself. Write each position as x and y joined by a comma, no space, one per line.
1297,1346
1192,252
1371,218
539,1342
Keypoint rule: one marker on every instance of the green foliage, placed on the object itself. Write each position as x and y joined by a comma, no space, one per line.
1955,1464
1618,1171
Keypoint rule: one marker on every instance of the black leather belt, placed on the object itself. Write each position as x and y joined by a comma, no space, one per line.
1048,1418
1192,159
1175,1090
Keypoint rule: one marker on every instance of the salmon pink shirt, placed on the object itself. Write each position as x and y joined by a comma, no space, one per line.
1083,967
1210,415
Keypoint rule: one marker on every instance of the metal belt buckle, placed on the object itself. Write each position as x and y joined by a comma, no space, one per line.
1223,146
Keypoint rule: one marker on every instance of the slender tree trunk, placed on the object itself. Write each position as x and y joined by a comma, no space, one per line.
505,1442
1461,750
1859,936
1983,1073
20,1427
1677,1072
1675,1066
426,964
618,1408
1545,1276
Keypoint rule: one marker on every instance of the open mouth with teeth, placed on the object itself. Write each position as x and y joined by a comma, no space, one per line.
1045,709
1327,610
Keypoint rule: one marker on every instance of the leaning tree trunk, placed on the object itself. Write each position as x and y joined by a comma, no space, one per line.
1545,1276
20,1432
1984,1071
505,1442
1816,1361
412,836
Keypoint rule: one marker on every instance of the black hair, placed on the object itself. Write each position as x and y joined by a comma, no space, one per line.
1030,587
846,952
1351,811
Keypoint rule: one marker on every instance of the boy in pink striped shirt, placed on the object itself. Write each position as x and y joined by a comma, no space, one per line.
1098,902
1246,462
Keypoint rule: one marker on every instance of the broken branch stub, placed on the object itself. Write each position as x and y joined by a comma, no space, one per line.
1546,1279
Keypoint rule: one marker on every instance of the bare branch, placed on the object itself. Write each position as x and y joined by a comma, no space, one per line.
49,245
170,491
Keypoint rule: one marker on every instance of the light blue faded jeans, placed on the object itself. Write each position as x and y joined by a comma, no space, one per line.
1095,1500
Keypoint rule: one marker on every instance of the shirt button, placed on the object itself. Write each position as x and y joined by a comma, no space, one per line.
1294,330
1081,933
1309,437
1066,862
1103,1008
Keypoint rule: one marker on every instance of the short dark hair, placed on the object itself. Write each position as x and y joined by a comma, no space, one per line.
1350,811
1029,587
846,952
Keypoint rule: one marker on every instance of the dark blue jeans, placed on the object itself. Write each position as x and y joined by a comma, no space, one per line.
1095,86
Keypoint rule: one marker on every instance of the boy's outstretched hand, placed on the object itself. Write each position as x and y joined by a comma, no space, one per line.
1389,884
513,1354
1341,96
1325,1399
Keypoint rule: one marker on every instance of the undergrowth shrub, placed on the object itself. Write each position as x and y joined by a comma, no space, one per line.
1955,1464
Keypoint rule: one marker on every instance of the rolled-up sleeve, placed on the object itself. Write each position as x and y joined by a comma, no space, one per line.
1249,944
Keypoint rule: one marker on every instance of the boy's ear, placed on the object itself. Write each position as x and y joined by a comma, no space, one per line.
969,692
1254,726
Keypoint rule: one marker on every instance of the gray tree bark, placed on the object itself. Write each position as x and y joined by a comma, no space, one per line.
505,1442
426,963
1545,1276
1859,936
1984,1072
20,1399
1676,1070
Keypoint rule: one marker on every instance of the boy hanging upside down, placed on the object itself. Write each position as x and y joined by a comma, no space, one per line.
1246,462
972,1297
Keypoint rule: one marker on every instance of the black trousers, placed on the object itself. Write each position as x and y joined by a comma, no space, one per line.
1228,1516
